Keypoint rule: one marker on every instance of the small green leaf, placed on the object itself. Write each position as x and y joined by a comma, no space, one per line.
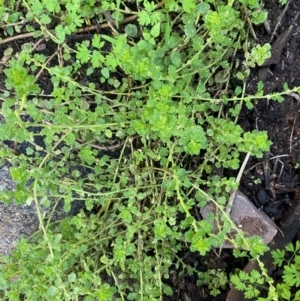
131,30
161,230
83,53
52,291
87,155
290,247
104,259
45,19
105,292
278,257
60,33
71,277
188,5
144,18
189,30
96,42
155,30
70,138
105,72
260,86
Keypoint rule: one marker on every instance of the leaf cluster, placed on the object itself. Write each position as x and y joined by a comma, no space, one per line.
131,129
254,284
215,279
289,259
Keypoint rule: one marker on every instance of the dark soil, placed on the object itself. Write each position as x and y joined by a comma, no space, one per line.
280,120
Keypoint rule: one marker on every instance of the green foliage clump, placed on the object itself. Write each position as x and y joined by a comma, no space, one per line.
139,126
215,279
254,284
289,259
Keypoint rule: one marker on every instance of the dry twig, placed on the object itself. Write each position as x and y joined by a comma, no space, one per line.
279,21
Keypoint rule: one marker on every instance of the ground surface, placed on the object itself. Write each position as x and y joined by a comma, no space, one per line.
282,122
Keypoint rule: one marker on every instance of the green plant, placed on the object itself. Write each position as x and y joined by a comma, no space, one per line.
131,128
259,54
289,259
249,283
253,283
215,279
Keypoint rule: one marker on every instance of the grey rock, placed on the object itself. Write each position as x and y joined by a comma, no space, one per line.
247,218
5,179
17,221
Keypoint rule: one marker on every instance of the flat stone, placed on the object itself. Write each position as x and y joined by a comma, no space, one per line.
289,228
17,221
247,218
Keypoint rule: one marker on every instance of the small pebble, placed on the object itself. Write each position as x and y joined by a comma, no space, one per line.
262,196
287,200
278,67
